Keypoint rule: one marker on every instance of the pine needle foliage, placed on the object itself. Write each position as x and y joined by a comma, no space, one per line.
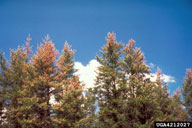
42,90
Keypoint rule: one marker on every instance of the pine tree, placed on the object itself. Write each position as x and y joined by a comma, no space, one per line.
65,70
177,107
123,93
140,106
16,78
187,93
71,108
43,82
14,82
170,108
27,98
162,98
108,82
126,97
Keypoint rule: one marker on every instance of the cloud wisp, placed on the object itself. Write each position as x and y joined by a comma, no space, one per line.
164,77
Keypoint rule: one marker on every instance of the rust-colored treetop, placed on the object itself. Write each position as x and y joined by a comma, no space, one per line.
111,41
159,75
189,74
27,45
46,54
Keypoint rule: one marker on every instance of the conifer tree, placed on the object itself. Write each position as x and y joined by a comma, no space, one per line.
170,108
125,96
14,82
140,106
162,98
108,82
177,107
65,70
71,108
43,83
187,93
27,99
122,91
15,78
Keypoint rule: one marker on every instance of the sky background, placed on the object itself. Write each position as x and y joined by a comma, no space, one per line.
162,28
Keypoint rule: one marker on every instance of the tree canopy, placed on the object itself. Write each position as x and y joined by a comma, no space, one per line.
41,90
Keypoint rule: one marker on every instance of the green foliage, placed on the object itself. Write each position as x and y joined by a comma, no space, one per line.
126,97
123,94
74,109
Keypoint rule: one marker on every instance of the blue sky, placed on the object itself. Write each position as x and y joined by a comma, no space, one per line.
162,28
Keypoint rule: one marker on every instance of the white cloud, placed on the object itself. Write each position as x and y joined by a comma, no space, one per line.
164,77
87,73
168,78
